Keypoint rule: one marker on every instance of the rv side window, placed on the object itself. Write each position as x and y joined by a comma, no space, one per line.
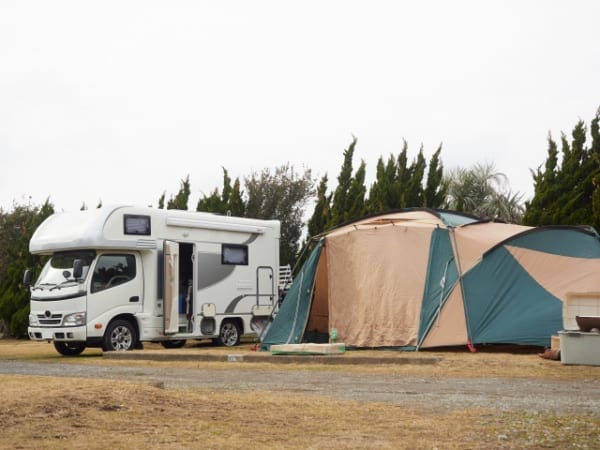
112,270
234,254
135,224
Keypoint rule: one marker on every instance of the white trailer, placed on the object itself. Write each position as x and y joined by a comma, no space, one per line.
119,276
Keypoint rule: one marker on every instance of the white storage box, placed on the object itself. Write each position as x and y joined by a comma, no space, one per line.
578,347
580,304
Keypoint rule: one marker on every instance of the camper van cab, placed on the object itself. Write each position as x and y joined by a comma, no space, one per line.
118,276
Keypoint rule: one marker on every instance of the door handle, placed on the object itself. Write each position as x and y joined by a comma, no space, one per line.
134,299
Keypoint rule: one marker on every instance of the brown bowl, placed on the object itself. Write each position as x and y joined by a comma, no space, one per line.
587,323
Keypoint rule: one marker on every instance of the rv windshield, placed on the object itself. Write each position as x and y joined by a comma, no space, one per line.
58,271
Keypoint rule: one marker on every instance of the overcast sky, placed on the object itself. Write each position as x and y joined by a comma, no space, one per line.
117,101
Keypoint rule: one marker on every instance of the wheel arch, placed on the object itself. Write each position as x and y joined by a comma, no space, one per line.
237,320
129,318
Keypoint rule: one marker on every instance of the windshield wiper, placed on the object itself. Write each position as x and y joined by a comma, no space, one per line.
43,285
61,285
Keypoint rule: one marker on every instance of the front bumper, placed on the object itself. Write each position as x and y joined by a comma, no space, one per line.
57,334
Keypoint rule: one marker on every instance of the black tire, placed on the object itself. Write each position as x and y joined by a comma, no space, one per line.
69,348
230,333
175,343
120,336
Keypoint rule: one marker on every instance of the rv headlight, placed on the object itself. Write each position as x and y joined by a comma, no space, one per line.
74,320
33,322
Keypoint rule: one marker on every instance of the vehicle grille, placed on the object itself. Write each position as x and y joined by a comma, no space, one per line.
53,320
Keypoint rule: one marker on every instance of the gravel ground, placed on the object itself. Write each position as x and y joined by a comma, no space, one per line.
422,393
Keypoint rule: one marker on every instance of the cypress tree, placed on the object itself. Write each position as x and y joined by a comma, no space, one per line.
398,185
403,176
413,195
595,156
161,201
227,189
212,203
339,206
545,187
320,217
435,189
220,202
376,201
579,211
568,193
383,194
180,201
355,201
235,203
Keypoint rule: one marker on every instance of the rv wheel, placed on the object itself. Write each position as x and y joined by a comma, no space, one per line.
230,333
119,336
69,348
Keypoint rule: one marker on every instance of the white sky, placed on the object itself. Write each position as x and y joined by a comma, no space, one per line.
119,100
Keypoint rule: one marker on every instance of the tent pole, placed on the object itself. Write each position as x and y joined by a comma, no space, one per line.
443,286
443,300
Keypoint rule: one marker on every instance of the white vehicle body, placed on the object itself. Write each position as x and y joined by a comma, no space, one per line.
152,275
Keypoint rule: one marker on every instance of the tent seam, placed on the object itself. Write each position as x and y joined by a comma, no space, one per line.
461,282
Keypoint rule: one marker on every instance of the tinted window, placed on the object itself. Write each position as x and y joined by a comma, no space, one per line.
112,270
135,224
234,254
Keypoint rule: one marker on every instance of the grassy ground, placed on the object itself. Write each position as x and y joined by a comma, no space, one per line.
45,412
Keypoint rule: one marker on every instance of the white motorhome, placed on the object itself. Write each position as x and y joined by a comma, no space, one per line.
118,276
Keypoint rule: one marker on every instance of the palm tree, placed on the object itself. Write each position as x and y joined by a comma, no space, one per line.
484,192
505,206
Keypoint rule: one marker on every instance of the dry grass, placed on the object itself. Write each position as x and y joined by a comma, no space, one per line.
39,412
53,413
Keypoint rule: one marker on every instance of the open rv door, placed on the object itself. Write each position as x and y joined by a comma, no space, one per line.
171,284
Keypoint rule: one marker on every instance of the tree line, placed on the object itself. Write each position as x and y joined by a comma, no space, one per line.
16,229
567,186
566,192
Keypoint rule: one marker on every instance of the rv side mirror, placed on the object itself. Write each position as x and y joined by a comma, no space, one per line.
77,268
27,276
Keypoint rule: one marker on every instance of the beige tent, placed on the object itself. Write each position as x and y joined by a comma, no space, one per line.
426,278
